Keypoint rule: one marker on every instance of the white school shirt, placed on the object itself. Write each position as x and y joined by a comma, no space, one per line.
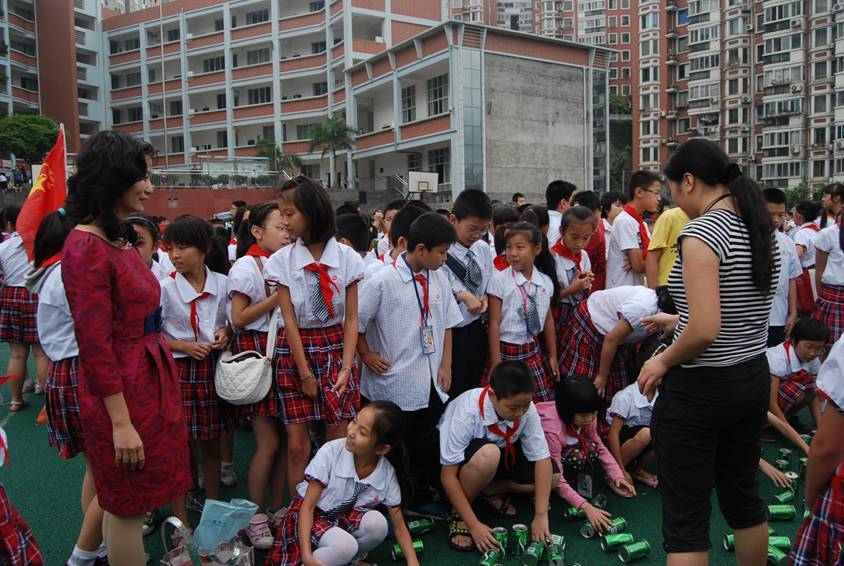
166,263
462,423
287,267
390,317
630,405
160,270
632,303
383,246
176,296
789,269
827,242
506,286
830,381
806,237
785,365
334,467
483,257
232,252
567,271
246,279
625,236
14,264
373,267
554,220
55,324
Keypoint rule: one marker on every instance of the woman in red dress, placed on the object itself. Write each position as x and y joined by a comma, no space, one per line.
129,398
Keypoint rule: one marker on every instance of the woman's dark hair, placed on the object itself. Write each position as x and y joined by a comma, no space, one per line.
389,429
577,215
259,216
313,202
664,302
608,199
809,329
193,231
108,164
544,262
50,237
237,221
10,214
706,161
147,222
834,190
576,395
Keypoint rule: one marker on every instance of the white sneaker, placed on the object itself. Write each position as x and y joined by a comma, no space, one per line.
228,477
259,532
28,386
39,389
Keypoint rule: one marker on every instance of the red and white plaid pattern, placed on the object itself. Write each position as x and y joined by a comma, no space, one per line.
324,352
18,316
206,415
580,352
561,313
531,355
819,541
792,390
829,309
285,550
17,545
254,340
64,429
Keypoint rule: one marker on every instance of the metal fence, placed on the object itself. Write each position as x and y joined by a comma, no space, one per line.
222,179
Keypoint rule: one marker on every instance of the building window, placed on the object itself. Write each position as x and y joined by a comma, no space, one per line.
625,40
222,139
625,55
625,21
134,114
257,17
625,90
311,171
438,95
649,74
221,101
115,116
820,71
821,37
320,88
133,44
414,161
213,64
649,21
305,131
316,6
177,144
173,35
218,24
821,6
438,162
408,104
175,108
318,47
612,21
132,79
259,95
268,133
613,38
820,103
613,73
258,56
818,168
625,73
650,154
819,136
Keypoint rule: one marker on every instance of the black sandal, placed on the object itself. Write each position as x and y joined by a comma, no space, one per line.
455,531
501,508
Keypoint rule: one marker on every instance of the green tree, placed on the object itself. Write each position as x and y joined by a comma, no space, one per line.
803,191
278,160
28,136
332,136
619,164
619,105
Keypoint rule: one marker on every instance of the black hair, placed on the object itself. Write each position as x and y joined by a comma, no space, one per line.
577,215
610,198
396,204
10,214
355,229
809,329
504,213
404,218
836,190
641,180
706,161
500,237
558,191
664,301
775,196
313,202
443,212
50,237
348,207
221,231
187,230
108,164
472,202
147,222
517,196
537,215
258,216
509,379
389,430
544,261
430,230
237,221
575,395
239,203
644,351
663,204
808,209
589,199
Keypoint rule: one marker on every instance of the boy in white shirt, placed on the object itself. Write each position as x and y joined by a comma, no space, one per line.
784,309
628,246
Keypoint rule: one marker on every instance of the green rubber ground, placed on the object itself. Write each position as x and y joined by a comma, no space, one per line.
45,490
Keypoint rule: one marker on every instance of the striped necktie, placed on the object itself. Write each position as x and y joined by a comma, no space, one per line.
474,276
347,504
533,323
322,298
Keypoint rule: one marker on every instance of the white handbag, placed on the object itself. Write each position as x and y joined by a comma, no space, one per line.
245,378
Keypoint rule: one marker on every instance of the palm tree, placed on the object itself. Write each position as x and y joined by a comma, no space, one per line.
278,160
332,136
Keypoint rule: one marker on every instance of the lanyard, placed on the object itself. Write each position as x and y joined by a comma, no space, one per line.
424,309
525,298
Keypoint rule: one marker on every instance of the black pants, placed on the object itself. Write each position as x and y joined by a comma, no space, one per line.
776,335
469,347
706,429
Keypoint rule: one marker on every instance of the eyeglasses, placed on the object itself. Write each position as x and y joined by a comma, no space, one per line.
816,350
653,191
475,229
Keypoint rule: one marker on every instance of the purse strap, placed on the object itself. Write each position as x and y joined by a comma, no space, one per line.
272,334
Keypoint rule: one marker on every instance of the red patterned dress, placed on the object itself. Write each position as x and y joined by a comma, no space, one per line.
114,300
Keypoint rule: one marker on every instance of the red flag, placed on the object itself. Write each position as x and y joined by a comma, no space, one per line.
47,195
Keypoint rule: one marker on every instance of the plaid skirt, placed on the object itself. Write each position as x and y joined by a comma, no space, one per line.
254,340
17,545
64,429
207,416
531,355
18,316
324,352
561,313
792,390
829,309
285,550
580,352
819,541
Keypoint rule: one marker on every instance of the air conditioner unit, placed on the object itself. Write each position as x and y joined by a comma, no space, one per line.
379,39
188,36
194,150
797,23
190,74
713,99
745,128
748,27
796,88
745,6
192,111
745,99
839,144
837,8
795,150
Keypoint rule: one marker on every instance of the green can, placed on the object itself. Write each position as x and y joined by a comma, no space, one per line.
777,556
520,539
619,525
491,557
502,536
782,465
729,543
634,551
573,514
806,513
556,555
533,554
785,497
785,454
794,480
807,438
804,463
781,542
610,542
420,526
587,530
781,512
398,553
600,501
558,540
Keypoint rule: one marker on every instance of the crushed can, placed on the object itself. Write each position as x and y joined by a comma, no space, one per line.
777,557
520,539
533,554
588,531
573,514
794,480
729,543
421,526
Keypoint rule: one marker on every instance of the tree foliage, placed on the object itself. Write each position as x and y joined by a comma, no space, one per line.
332,136
619,105
278,160
28,136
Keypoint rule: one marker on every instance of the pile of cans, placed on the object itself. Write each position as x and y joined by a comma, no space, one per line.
778,547
616,539
417,527
519,546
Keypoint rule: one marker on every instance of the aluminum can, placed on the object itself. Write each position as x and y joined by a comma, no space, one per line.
520,539
781,512
398,554
634,551
610,542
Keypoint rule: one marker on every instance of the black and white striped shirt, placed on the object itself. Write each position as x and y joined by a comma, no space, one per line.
744,309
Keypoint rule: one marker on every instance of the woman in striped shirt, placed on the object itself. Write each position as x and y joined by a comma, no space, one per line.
713,379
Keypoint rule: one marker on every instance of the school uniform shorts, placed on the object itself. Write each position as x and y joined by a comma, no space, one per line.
521,471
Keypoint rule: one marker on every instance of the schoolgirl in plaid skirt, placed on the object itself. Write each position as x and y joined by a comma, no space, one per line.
17,545
829,274
520,300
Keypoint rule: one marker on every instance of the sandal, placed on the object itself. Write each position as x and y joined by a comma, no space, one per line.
15,406
646,478
454,530
501,508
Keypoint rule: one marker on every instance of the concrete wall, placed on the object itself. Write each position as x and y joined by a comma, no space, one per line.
534,126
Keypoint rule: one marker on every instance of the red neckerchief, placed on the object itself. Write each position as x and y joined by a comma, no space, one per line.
563,251
811,227
256,251
52,260
509,448
426,309
643,230
381,257
194,316
325,285
500,262
233,242
581,439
